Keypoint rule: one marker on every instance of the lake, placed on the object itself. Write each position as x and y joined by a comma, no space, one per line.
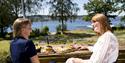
76,24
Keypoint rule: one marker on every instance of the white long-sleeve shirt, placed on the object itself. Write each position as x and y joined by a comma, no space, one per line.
105,49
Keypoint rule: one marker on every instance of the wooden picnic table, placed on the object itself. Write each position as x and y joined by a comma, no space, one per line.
61,58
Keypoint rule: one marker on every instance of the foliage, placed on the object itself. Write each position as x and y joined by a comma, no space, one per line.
1,39
63,10
121,7
59,27
30,6
7,16
10,9
65,27
122,24
119,26
40,37
45,30
101,6
87,18
35,33
38,33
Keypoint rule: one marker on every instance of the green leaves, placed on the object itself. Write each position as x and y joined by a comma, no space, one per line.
63,10
101,6
10,9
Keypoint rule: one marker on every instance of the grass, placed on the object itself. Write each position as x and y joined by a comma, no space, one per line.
121,38
78,36
4,45
4,50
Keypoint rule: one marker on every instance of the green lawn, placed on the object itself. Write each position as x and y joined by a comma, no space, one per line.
4,45
88,35
4,49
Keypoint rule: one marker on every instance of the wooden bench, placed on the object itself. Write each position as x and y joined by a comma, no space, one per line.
121,57
61,58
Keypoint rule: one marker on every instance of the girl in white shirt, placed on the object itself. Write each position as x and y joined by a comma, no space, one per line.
105,50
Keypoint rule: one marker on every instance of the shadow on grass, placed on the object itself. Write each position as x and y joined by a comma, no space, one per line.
79,35
120,33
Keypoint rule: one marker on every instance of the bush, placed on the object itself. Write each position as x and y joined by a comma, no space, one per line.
3,34
35,33
45,30
7,37
1,39
65,27
120,26
59,28
32,34
40,38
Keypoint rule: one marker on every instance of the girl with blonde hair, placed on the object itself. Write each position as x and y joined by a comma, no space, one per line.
105,50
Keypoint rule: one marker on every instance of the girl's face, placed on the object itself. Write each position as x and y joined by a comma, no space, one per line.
27,30
96,26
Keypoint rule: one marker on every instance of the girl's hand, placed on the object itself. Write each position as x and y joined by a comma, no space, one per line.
76,46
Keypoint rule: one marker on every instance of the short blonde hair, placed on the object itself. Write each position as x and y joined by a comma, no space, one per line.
103,20
18,24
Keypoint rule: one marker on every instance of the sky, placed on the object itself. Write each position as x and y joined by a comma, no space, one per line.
45,9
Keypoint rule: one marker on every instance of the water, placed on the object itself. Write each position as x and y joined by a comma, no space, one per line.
77,24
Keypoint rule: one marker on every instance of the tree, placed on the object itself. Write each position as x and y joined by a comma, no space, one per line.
100,6
63,10
30,6
121,6
10,10
6,16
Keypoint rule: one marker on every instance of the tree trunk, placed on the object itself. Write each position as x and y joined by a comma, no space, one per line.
2,32
62,29
2,29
